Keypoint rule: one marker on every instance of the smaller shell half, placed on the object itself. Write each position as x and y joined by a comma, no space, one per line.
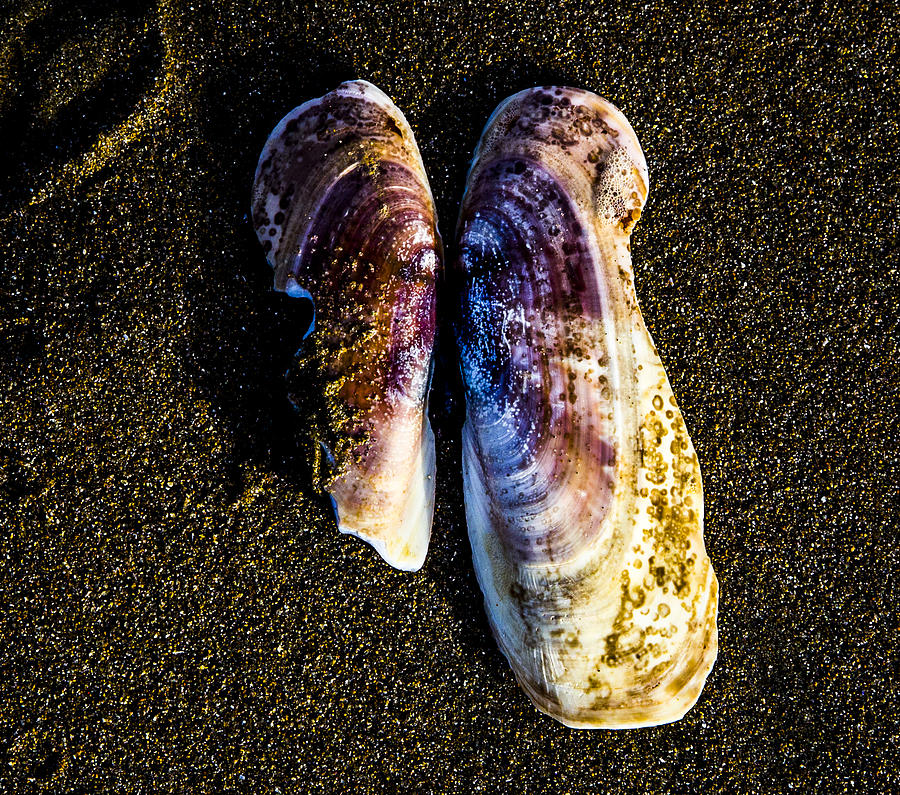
582,489
343,209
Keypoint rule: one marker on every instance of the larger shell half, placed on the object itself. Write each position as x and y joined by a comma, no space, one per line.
344,211
582,489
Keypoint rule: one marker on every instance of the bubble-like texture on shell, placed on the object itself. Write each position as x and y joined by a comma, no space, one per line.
342,206
583,494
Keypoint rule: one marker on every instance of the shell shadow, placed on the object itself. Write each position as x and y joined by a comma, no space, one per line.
245,333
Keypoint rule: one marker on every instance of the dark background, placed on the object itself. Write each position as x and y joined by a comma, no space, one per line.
177,610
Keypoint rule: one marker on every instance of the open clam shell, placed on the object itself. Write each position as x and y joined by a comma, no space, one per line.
343,208
582,489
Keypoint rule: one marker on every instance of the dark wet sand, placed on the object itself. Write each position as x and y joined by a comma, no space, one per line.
177,610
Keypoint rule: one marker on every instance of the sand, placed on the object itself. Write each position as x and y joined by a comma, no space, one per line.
177,610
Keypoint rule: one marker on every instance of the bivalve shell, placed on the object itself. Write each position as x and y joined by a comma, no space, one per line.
343,208
582,489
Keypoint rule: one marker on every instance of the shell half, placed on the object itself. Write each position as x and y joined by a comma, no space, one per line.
343,209
582,489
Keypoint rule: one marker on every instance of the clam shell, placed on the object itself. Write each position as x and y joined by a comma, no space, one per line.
582,489
344,211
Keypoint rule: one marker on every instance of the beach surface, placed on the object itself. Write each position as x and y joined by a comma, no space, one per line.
178,613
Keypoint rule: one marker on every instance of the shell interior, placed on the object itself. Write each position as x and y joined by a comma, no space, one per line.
343,209
583,495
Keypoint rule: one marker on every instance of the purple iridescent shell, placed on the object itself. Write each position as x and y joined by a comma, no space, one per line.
583,495
343,209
